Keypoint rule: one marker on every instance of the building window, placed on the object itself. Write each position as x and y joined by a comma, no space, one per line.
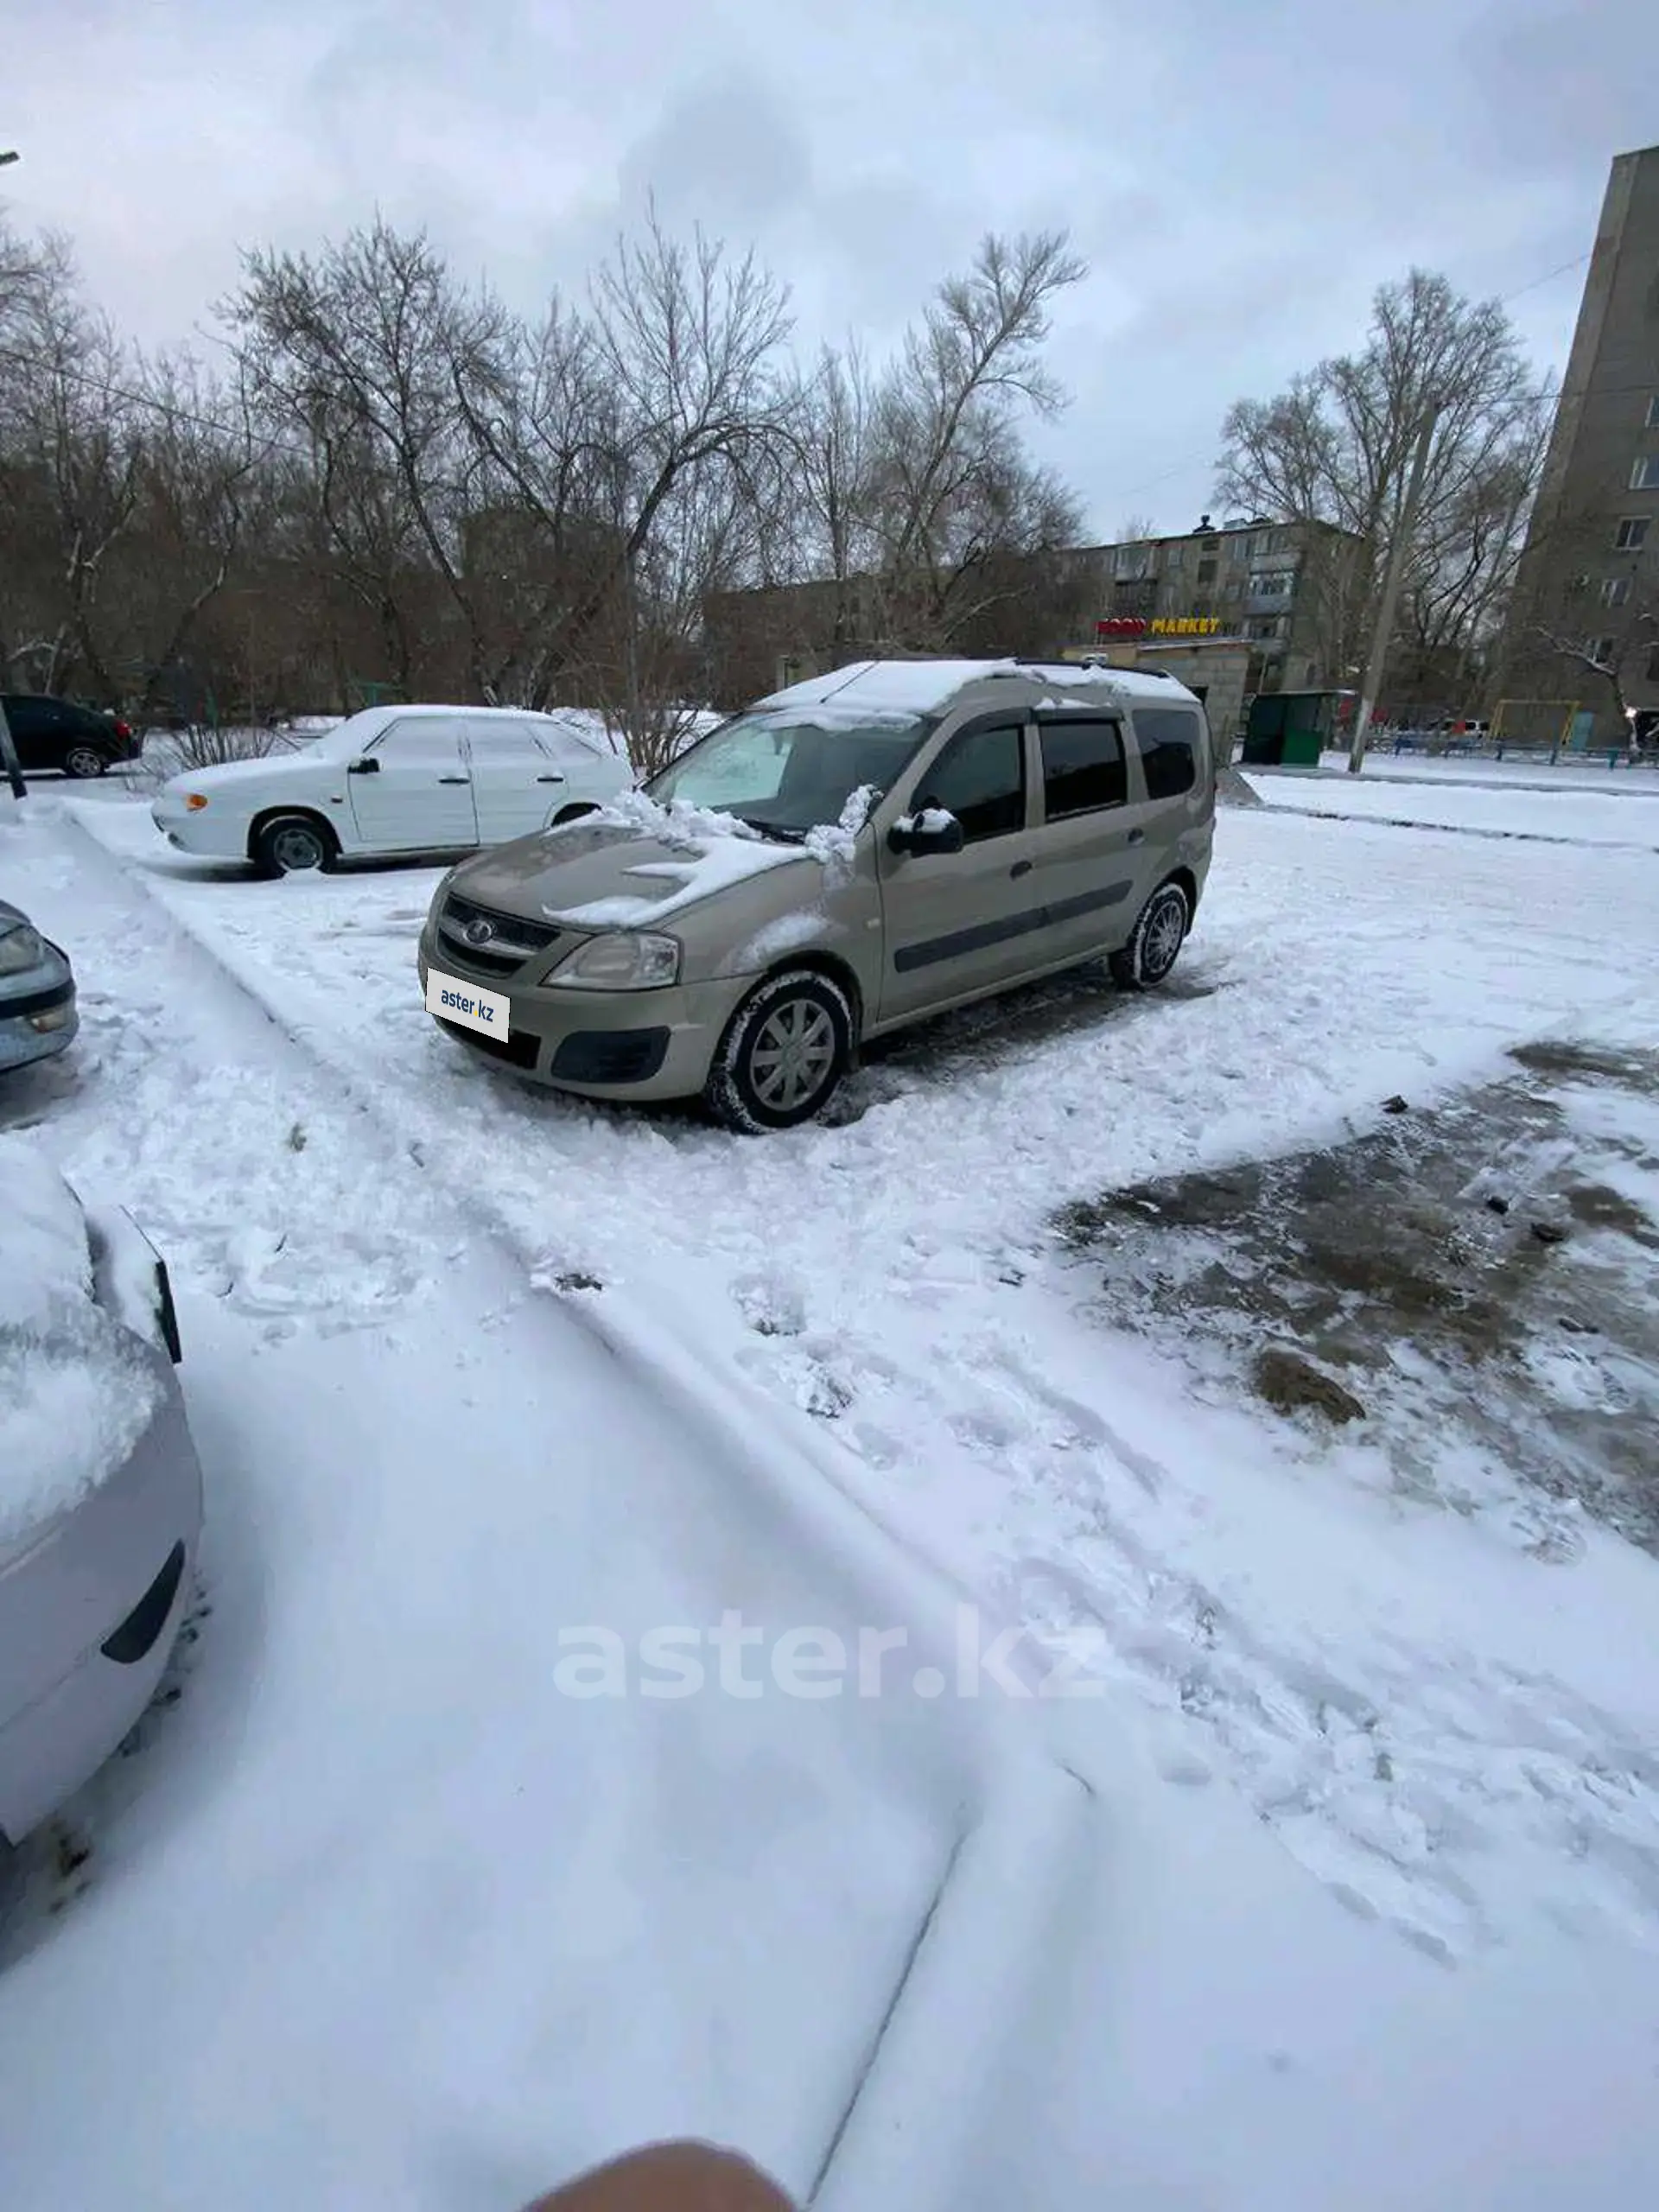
1274,583
1130,560
1615,591
1600,650
1262,627
1256,544
1206,572
1653,666
1652,422
1631,534
1174,559
1278,541
1644,473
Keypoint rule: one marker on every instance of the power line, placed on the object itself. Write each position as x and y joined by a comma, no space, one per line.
1186,467
1577,262
107,390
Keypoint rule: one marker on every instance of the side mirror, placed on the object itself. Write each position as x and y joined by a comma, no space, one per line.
932,830
370,767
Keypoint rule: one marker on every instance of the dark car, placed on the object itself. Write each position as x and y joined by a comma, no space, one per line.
58,733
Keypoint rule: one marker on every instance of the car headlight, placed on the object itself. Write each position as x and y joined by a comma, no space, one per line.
21,950
621,960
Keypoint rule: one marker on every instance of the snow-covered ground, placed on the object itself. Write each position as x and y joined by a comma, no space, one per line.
1519,771
1365,1908
1620,810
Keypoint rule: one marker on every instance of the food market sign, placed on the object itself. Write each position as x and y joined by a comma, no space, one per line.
1161,625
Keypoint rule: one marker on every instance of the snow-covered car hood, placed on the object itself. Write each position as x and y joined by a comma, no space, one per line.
610,871
247,778
76,1388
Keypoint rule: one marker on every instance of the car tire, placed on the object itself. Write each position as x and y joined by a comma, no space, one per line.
1156,939
282,844
84,761
783,1054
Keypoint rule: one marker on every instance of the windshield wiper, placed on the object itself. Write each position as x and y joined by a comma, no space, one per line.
772,830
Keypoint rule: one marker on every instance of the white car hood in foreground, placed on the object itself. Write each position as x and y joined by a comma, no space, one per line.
75,1392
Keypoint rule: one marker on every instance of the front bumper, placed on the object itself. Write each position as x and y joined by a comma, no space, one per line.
648,1046
38,1015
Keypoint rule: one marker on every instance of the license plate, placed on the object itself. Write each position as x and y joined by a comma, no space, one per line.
489,1012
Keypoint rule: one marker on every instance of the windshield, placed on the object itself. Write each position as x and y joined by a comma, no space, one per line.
785,772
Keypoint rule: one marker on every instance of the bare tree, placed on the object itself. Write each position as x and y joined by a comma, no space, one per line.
373,351
1135,530
1336,446
919,499
951,485
74,450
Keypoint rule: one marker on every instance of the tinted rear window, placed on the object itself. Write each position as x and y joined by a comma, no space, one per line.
1083,767
1168,738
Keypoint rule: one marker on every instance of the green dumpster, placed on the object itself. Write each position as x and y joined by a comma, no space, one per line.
1288,729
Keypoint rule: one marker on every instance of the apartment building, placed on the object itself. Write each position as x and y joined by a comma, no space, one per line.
1587,589
1285,589
1281,590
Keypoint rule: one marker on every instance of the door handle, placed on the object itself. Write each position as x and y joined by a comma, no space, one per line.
549,779
454,780
1137,836
1020,868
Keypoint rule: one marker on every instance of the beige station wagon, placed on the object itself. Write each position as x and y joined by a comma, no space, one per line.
851,855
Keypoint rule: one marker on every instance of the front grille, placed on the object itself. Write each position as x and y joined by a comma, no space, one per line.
513,941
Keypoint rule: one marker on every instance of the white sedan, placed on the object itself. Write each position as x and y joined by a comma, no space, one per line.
394,782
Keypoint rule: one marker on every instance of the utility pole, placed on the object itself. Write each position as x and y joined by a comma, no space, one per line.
1383,636
8,758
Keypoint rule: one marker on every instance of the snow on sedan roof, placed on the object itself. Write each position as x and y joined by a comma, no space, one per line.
924,687
75,1391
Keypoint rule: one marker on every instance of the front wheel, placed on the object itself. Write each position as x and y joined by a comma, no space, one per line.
783,1054
1157,938
292,844
83,761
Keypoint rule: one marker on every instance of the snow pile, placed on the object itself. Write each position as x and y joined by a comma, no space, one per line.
714,851
75,1396
679,825
45,1238
834,844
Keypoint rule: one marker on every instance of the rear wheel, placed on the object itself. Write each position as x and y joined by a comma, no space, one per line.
783,1054
1158,938
83,761
293,844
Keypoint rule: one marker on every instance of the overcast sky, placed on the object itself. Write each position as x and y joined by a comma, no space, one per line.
1240,177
